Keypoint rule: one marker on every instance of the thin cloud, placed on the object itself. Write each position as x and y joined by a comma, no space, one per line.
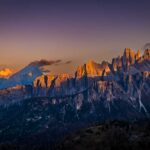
44,62
68,62
64,63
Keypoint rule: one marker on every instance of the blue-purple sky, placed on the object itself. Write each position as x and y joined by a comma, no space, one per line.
70,30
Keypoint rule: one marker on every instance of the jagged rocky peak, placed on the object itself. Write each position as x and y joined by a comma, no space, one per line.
138,55
128,59
81,71
146,55
128,52
62,78
129,56
105,67
92,69
43,81
116,63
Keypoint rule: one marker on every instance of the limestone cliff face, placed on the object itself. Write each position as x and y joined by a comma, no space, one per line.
128,57
124,62
92,69
143,63
116,63
43,81
53,85
131,60
138,55
62,79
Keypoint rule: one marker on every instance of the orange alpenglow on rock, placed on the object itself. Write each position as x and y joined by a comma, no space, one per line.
5,73
138,55
43,81
92,68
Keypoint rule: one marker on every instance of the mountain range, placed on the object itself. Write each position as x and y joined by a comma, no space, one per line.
34,103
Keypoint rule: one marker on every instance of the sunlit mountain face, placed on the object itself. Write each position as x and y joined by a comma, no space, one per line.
74,74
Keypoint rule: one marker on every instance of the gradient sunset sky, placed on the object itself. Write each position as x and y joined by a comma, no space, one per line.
73,31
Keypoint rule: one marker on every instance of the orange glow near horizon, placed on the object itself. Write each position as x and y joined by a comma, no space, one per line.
5,73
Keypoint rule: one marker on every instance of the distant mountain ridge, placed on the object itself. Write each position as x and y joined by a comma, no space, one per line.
131,63
22,77
130,58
